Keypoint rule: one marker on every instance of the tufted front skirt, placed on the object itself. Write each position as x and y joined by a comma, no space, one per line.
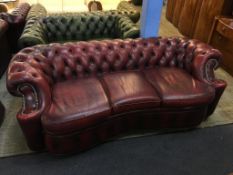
87,111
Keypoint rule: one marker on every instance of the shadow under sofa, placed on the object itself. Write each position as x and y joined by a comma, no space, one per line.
79,94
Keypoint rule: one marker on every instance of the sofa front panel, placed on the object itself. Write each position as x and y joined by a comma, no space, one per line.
137,121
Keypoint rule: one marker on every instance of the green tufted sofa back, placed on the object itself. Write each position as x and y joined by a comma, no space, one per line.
79,27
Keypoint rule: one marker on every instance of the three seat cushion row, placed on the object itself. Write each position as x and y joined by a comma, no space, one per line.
95,99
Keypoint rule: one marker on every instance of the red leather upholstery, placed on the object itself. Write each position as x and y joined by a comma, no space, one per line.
178,89
79,94
79,107
130,91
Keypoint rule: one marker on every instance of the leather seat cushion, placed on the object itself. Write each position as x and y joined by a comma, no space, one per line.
76,104
178,88
129,90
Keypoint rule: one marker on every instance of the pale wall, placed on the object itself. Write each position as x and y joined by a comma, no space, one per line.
71,5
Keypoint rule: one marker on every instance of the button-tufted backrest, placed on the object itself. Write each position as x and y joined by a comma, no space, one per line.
80,27
132,14
60,62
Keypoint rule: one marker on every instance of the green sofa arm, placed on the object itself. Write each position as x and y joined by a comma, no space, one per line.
127,29
33,36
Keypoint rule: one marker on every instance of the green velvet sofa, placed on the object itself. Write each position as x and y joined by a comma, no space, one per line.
78,27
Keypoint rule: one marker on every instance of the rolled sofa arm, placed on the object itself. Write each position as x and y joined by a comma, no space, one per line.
126,28
30,83
33,34
204,60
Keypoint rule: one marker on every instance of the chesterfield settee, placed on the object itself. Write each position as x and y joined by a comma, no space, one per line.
78,27
79,94
38,11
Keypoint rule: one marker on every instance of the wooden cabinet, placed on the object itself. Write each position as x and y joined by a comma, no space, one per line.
197,16
176,13
188,17
209,9
222,38
170,9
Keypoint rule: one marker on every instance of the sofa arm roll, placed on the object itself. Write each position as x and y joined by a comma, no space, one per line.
205,61
28,82
126,28
32,35
20,74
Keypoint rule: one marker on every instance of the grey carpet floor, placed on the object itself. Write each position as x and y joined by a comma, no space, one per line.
207,151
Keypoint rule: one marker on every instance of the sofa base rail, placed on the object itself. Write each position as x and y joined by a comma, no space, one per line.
115,126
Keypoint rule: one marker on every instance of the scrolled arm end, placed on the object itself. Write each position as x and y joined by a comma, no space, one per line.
24,80
206,60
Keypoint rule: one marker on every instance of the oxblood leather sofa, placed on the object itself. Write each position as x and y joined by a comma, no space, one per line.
16,20
79,94
79,27
5,53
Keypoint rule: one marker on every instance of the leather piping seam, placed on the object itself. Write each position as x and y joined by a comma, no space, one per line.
106,90
156,91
